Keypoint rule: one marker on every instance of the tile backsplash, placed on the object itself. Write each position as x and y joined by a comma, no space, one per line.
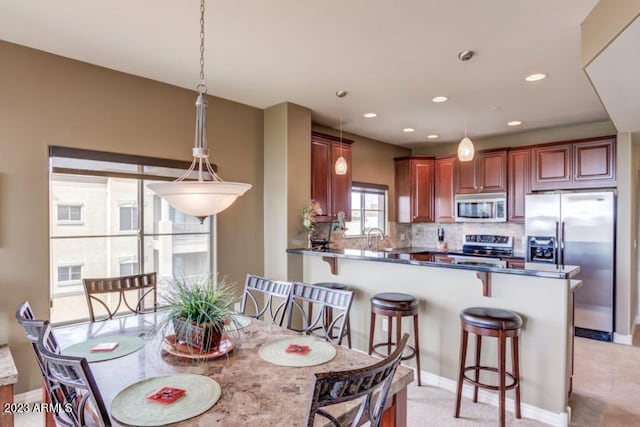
425,235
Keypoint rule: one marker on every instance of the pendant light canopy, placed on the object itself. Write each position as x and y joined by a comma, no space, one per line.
341,163
209,194
465,147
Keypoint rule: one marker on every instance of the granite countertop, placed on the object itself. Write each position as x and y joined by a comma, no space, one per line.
399,257
8,371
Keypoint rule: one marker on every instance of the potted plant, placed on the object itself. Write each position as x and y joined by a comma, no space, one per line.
199,312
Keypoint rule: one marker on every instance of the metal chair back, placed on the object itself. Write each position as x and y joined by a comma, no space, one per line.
75,398
324,311
329,388
98,290
269,291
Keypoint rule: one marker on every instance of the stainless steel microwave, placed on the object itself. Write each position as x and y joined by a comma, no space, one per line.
490,207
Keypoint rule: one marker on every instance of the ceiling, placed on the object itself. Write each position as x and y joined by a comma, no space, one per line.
392,57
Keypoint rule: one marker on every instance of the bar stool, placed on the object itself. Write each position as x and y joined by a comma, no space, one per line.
490,322
329,312
394,304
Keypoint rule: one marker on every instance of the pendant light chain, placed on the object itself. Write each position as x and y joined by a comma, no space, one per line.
464,94
202,88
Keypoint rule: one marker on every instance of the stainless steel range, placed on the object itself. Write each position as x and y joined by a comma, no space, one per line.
484,249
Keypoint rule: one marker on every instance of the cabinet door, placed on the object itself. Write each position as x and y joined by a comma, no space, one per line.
321,170
594,163
465,177
422,257
422,190
444,190
491,169
551,167
341,188
444,258
519,183
514,263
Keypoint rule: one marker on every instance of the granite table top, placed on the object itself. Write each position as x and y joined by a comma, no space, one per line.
254,392
8,371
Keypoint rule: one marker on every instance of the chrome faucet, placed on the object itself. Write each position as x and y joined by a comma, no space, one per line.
371,230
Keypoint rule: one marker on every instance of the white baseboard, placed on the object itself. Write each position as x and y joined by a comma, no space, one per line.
31,396
622,339
561,419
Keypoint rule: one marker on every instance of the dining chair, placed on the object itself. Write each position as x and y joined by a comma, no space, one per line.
74,394
322,311
330,388
100,291
264,294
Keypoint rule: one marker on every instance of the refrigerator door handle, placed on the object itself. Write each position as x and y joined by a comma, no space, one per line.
562,246
555,243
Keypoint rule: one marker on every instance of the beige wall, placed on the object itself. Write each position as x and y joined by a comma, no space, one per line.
49,100
607,19
372,161
539,136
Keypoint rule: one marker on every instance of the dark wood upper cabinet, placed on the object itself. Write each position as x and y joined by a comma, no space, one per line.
331,191
486,173
444,190
414,189
519,183
579,164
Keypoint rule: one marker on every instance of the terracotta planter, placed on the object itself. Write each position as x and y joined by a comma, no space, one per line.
203,337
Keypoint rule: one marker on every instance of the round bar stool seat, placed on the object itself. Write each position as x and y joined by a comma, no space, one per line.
329,312
395,305
501,324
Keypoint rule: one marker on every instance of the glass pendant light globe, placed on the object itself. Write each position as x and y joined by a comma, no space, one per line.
341,166
465,150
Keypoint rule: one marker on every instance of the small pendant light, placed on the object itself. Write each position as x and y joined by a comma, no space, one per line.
465,148
341,164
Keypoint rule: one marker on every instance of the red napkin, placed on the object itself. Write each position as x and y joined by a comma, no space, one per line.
167,395
298,349
105,346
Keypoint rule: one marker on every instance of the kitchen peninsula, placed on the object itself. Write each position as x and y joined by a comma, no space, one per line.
541,294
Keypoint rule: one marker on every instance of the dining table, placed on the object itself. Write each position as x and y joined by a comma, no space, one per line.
253,391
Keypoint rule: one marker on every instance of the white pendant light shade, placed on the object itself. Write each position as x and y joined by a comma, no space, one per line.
465,150
200,198
341,166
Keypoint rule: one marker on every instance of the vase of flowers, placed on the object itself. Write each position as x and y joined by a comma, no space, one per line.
308,216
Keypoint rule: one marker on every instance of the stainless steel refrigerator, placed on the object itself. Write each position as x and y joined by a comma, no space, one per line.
581,226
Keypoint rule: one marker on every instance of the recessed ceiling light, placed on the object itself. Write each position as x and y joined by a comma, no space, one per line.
440,99
408,130
514,123
535,77
433,136
370,115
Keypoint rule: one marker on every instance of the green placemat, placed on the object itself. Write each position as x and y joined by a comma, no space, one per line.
131,406
320,352
241,322
127,344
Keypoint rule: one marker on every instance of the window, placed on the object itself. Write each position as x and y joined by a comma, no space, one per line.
69,274
69,214
128,218
127,229
128,268
368,208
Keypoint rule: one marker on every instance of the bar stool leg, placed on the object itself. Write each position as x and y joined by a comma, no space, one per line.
389,329
478,352
417,344
372,327
463,356
348,332
516,372
501,373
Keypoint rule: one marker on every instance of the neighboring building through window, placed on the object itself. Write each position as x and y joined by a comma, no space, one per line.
69,214
128,268
69,274
368,208
128,218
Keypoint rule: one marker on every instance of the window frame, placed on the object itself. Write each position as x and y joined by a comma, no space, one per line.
69,282
133,206
369,188
70,221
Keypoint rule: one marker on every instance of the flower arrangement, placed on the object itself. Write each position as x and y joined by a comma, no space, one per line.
308,215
